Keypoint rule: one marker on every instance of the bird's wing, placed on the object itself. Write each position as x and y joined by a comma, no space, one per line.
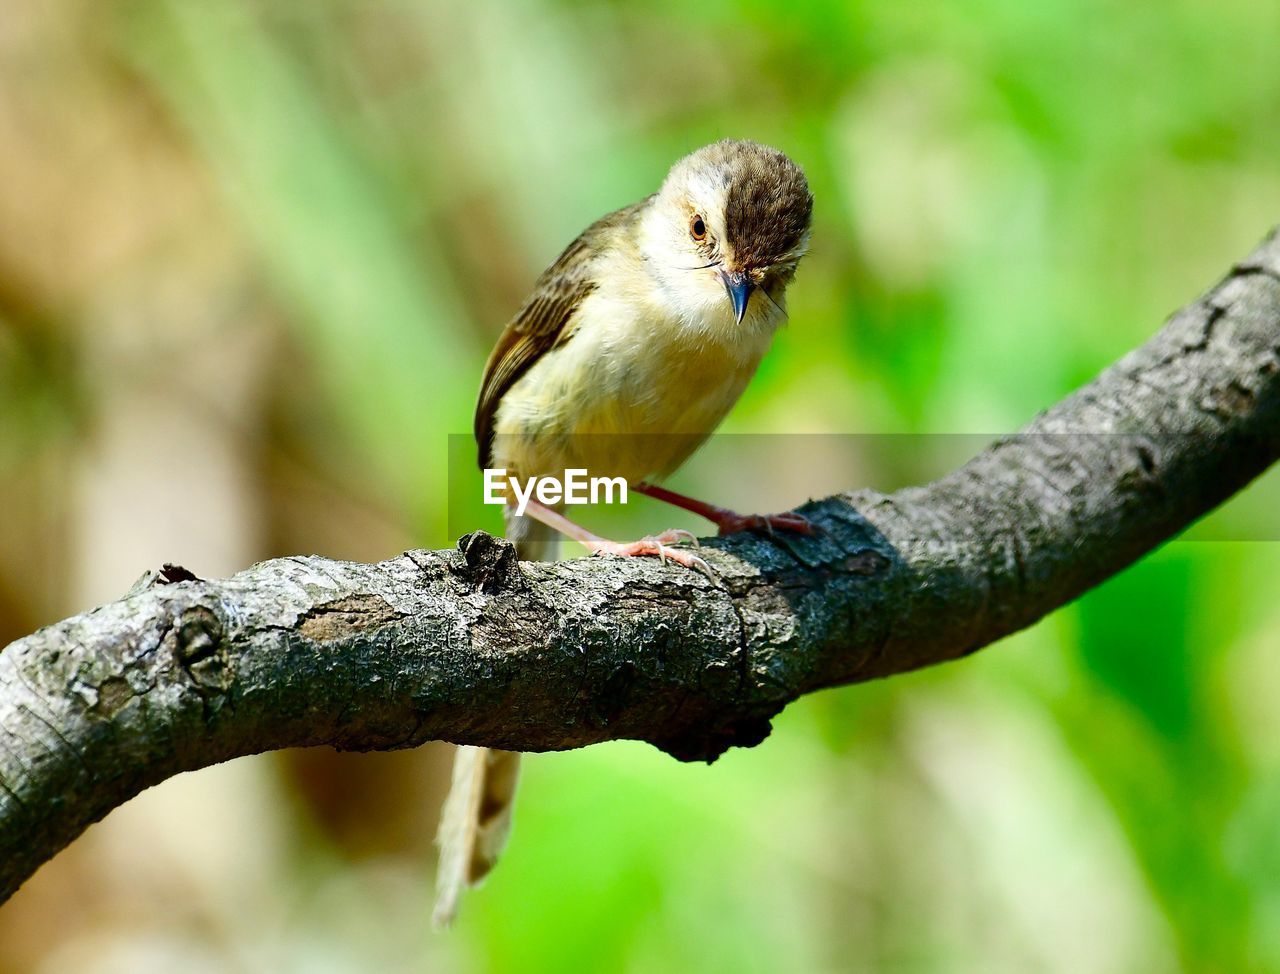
546,320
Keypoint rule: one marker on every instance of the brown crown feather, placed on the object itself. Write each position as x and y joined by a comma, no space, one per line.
768,206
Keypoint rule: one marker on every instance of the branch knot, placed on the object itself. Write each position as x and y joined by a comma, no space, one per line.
200,652
489,563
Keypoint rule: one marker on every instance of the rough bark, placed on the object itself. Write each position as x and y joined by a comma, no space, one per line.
473,647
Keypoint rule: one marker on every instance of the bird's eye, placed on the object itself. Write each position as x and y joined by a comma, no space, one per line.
697,228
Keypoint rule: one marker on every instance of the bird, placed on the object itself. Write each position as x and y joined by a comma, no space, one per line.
631,348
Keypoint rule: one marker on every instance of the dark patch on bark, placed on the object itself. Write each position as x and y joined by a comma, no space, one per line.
488,563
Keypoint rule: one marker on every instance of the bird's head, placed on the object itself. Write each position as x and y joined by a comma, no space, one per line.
731,219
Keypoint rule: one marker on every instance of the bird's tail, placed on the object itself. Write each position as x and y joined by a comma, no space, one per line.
476,818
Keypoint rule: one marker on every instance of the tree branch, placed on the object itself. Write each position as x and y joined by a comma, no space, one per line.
471,646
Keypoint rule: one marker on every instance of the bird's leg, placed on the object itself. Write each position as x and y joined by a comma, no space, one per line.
726,520
654,545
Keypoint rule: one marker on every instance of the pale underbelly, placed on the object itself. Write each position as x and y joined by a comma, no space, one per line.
636,413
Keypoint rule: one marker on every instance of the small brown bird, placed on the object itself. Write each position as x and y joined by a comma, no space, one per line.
632,348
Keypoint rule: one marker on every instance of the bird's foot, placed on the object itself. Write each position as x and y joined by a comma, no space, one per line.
731,522
657,546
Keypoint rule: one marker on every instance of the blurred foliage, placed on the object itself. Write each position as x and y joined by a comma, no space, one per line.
289,231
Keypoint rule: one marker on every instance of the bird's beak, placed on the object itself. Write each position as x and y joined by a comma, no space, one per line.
739,288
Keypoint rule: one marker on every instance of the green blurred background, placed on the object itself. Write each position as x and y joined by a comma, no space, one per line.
252,257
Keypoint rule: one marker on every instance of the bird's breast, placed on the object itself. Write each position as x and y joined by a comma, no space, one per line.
632,392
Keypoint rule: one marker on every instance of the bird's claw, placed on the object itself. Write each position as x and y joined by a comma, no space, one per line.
677,536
